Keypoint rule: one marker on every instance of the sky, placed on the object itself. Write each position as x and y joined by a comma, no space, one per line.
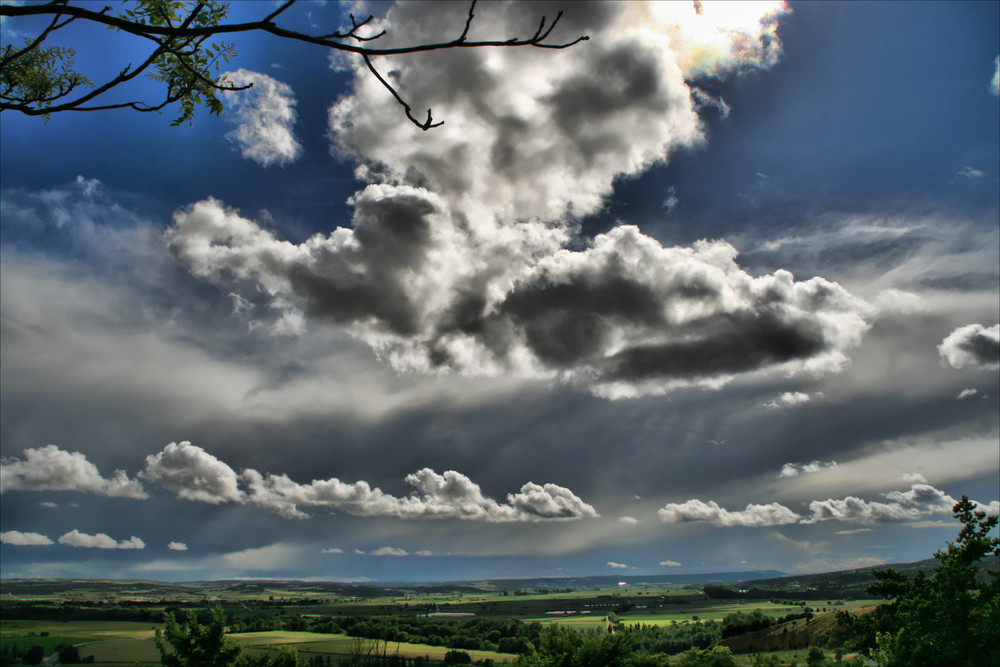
717,289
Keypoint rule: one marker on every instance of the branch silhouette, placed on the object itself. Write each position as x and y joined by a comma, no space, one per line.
37,79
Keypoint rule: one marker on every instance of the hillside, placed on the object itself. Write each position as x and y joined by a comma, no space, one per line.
821,630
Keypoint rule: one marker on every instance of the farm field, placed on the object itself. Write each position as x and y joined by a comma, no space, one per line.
114,623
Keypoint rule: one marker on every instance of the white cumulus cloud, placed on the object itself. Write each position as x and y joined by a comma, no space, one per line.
919,501
17,538
670,563
177,546
75,538
772,514
618,566
264,117
787,399
50,468
459,257
626,316
390,551
796,469
194,474
972,345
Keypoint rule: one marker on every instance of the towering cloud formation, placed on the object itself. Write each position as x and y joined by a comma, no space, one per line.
530,133
458,259
193,474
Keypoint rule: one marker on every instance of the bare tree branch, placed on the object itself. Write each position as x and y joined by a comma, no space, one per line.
184,43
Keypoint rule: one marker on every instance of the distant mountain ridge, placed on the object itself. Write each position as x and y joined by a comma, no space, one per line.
763,582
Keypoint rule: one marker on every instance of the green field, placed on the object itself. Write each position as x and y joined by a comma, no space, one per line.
280,605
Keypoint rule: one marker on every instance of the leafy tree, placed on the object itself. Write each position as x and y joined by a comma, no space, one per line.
949,619
457,658
192,644
33,655
560,646
816,657
69,655
719,656
39,79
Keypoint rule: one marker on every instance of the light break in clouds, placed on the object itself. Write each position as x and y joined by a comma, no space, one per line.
264,117
194,474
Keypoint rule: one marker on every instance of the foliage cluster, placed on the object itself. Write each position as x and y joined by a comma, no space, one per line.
949,619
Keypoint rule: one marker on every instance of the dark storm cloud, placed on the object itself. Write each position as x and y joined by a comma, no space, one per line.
424,290
730,343
465,267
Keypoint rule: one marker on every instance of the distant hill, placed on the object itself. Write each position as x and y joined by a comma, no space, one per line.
838,584
214,589
629,579
821,630
757,583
